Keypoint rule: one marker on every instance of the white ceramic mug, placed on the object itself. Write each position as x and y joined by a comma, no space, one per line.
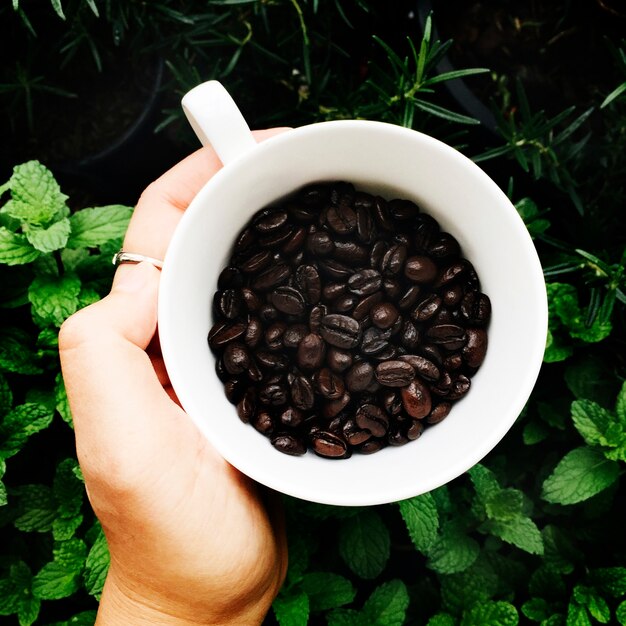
393,162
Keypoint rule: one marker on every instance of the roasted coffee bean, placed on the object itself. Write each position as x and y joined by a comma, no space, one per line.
274,335
452,362
384,315
394,373
332,291
288,300
263,422
276,238
230,278
394,259
451,295
381,214
345,304
365,228
359,376
365,282
439,412
254,372
273,393
392,402
389,353
291,417
229,303
363,200
476,308
415,429
234,389
375,341
270,220
424,368
371,446
409,297
426,308
251,301
362,309
426,230
355,435
333,407
268,313
329,445
274,361
311,352
338,360
246,407
431,352
320,243
350,252
340,331
302,394
448,336
256,262
236,358
416,399
254,332
444,246
275,275
395,436
341,193
392,288
288,444
402,209
245,240
309,283
475,349
335,269
341,219
224,332
443,386
293,335
444,316
328,384
377,253
449,273
372,418
295,242
410,336
420,269
313,195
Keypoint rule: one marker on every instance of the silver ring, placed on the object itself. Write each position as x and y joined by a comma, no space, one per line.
132,257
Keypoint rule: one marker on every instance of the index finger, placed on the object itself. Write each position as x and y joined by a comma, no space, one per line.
164,201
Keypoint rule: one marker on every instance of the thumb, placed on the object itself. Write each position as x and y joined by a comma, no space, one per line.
120,409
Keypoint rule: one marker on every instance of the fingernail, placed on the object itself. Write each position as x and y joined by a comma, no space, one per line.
132,278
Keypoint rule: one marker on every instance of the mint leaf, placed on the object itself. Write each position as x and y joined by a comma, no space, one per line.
54,298
37,507
19,424
556,350
344,617
62,404
520,531
589,378
9,597
591,421
492,613
61,577
620,613
15,249
292,608
504,505
595,604
15,353
387,605
51,238
536,609
95,226
28,610
33,184
453,551
577,615
327,590
6,396
485,482
421,519
610,580
534,432
97,565
68,491
478,583
85,618
364,543
620,405
581,474
441,619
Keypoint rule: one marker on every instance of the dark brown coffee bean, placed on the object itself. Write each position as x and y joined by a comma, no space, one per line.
251,301
426,230
311,352
389,353
415,429
246,407
362,309
291,417
384,315
335,269
256,262
328,384
355,435
223,332
263,422
431,352
245,240
274,361
410,337
295,241
229,303
420,269
439,412
288,300
444,246
365,282
460,386
476,347
314,195
331,408
271,277
319,243
341,219
444,316
365,228
340,330
449,273
395,436
329,445
331,291
416,399
394,259
423,367
381,214
269,220
372,418
409,297
476,308
308,280
234,389
274,335
359,376
350,252
392,402
448,336
254,372
392,288
254,332
394,373
377,253
371,446
338,360
236,358
302,394
375,341
288,444
341,193
452,362
426,308
277,238
363,200
402,209
293,335
273,393
443,385
345,304
230,278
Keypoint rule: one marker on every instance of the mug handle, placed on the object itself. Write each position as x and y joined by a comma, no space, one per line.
217,121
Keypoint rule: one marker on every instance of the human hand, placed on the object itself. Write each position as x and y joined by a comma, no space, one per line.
192,540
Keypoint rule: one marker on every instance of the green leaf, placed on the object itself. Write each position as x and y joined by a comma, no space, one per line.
591,421
620,613
520,531
620,405
536,609
485,482
421,519
6,396
491,613
97,566
595,604
15,353
441,619
61,577
504,505
387,605
37,507
327,590
62,404
15,249
478,583
534,432
34,185
581,474
28,610
291,608
453,551
364,544
610,580
19,424
95,226
51,238
344,617
577,615
9,597
85,618
54,298
590,379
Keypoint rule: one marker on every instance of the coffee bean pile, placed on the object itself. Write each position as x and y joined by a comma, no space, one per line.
346,323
